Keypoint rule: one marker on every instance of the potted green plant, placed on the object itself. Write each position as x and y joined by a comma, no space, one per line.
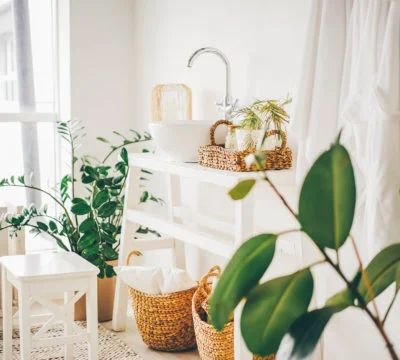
89,225
279,307
259,118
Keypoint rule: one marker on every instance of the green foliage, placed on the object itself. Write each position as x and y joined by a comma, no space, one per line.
382,271
243,272
272,307
242,189
278,308
328,198
268,114
89,226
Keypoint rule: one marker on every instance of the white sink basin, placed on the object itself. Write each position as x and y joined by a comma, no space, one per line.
180,140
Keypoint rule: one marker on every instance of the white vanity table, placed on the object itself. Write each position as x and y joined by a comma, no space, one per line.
174,229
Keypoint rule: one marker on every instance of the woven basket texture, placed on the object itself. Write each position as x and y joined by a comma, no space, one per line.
165,322
217,157
211,344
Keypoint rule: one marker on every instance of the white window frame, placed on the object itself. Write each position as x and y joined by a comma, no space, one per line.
60,15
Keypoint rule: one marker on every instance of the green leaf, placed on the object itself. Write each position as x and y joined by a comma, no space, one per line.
110,253
107,209
61,245
91,252
124,156
109,239
307,330
78,201
53,226
100,198
241,190
42,226
87,240
271,308
144,197
81,209
242,273
381,271
328,198
110,271
87,225
345,298
102,139
108,228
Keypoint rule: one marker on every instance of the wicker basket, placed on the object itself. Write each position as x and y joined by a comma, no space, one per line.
213,345
164,321
217,157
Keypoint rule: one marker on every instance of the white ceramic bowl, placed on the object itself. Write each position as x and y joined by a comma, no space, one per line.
180,140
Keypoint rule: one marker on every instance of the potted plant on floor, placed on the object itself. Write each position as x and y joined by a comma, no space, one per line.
89,225
259,118
279,308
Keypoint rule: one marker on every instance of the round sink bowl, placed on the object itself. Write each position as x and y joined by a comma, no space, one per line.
180,140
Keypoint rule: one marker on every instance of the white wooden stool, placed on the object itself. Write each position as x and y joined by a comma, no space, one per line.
38,278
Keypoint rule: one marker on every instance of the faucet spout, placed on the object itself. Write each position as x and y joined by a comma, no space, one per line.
228,103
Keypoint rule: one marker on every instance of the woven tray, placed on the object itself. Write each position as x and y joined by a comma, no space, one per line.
217,157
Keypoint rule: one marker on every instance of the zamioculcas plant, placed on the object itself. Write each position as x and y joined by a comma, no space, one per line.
280,306
91,225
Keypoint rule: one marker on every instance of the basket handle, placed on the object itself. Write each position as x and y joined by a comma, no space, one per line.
214,272
128,258
214,127
284,138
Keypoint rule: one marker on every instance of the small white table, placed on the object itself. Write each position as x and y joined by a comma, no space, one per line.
38,278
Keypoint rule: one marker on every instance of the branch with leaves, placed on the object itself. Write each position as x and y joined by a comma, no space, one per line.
91,225
280,307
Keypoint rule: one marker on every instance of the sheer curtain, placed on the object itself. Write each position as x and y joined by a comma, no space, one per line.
351,79
28,106
26,95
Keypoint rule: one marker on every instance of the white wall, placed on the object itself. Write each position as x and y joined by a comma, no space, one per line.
262,38
102,62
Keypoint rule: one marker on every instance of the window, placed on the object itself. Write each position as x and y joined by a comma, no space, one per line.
28,96
28,107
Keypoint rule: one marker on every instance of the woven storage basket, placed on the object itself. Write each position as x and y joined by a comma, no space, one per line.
164,321
217,157
213,345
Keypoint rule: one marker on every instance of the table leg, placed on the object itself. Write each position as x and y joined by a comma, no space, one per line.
24,323
243,231
91,317
69,323
6,290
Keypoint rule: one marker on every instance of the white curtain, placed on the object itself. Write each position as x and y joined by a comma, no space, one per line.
26,95
351,79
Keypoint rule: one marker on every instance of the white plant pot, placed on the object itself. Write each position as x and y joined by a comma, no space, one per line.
249,139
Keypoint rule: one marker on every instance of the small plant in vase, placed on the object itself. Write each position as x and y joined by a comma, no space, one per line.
257,119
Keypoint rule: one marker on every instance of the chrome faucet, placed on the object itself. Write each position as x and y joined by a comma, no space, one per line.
228,105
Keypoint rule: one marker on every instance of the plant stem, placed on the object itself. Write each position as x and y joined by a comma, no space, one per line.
48,194
127,142
365,278
349,284
280,195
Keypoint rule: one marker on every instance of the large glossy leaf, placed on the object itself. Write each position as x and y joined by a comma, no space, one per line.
80,208
87,225
242,273
271,309
87,240
100,198
327,199
242,189
306,331
381,271
107,209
